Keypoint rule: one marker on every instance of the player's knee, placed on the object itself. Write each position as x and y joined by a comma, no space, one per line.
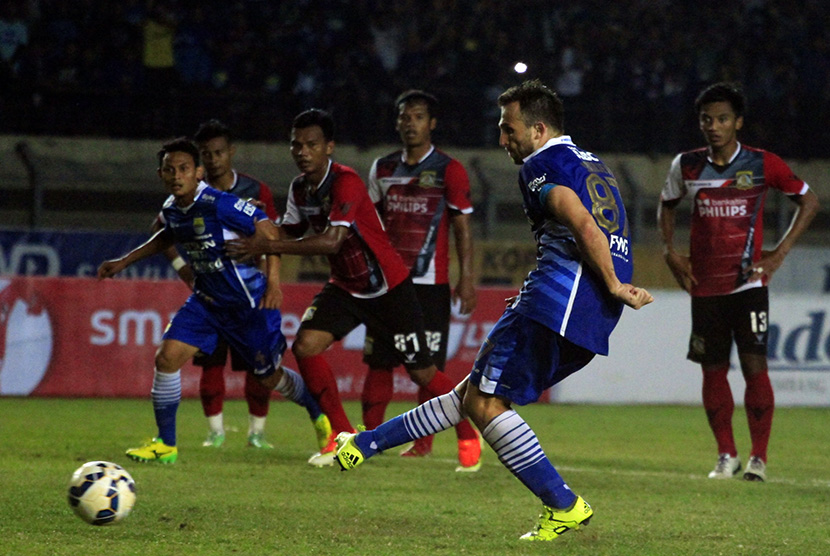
474,409
422,377
753,364
481,408
306,347
165,363
255,385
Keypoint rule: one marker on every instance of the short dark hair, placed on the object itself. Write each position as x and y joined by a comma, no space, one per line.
538,103
416,96
315,116
212,129
722,92
179,145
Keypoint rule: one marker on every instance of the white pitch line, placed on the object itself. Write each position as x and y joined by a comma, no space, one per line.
820,483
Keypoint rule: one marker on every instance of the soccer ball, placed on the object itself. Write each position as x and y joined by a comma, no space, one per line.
101,492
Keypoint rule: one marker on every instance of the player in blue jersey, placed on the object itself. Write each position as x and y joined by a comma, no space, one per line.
232,301
562,317
217,149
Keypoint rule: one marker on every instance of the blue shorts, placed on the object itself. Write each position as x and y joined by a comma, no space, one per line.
522,358
254,333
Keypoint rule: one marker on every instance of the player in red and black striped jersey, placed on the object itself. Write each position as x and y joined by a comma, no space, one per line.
369,282
421,193
727,271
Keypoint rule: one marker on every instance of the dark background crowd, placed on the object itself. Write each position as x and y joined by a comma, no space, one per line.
629,70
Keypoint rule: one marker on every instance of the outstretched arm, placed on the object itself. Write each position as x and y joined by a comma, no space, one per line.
326,243
160,241
564,204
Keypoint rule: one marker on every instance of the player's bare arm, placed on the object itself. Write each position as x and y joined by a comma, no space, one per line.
326,243
465,290
770,261
160,241
273,292
680,265
566,207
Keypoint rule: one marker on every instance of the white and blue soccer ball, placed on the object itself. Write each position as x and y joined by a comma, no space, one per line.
101,492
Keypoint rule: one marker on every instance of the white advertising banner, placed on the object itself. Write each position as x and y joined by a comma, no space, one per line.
647,362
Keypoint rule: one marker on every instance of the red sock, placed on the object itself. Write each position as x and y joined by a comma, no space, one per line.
257,396
377,393
719,406
441,384
212,389
759,402
320,381
424,445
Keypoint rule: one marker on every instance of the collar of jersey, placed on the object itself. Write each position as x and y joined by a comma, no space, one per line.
199,190
734,155
429,152
322,181
561,140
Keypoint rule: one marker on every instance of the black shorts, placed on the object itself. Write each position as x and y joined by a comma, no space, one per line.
434,300
220,357
394,317
716,320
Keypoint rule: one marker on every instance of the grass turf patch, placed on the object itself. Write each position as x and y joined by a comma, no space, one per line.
642,468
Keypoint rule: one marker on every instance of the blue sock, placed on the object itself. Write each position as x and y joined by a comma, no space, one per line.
293,387
166,394
519,450
435,415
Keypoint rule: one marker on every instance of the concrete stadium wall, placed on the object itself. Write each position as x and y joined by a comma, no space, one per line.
105,184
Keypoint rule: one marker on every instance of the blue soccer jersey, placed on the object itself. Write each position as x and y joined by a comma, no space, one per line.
562,292
202,229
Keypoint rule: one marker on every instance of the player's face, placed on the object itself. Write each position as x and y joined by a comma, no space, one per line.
415,124
311,151
518,139
180,176
719,124
216,155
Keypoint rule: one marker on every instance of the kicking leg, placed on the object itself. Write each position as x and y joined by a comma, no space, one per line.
437,414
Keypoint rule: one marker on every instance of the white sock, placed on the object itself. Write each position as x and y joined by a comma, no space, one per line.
256,425
216,424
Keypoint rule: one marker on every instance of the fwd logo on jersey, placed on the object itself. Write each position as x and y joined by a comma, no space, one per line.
708,207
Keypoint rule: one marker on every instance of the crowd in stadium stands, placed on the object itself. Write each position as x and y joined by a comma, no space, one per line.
628,70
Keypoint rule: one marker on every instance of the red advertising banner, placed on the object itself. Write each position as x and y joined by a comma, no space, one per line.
80,337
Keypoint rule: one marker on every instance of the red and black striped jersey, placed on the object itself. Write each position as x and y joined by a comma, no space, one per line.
727,212
366,265
415,203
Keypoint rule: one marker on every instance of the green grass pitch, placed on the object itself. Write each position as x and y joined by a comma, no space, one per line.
642,468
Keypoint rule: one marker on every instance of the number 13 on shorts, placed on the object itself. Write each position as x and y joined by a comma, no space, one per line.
758,321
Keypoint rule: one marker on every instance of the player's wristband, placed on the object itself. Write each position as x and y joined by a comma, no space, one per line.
178,263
